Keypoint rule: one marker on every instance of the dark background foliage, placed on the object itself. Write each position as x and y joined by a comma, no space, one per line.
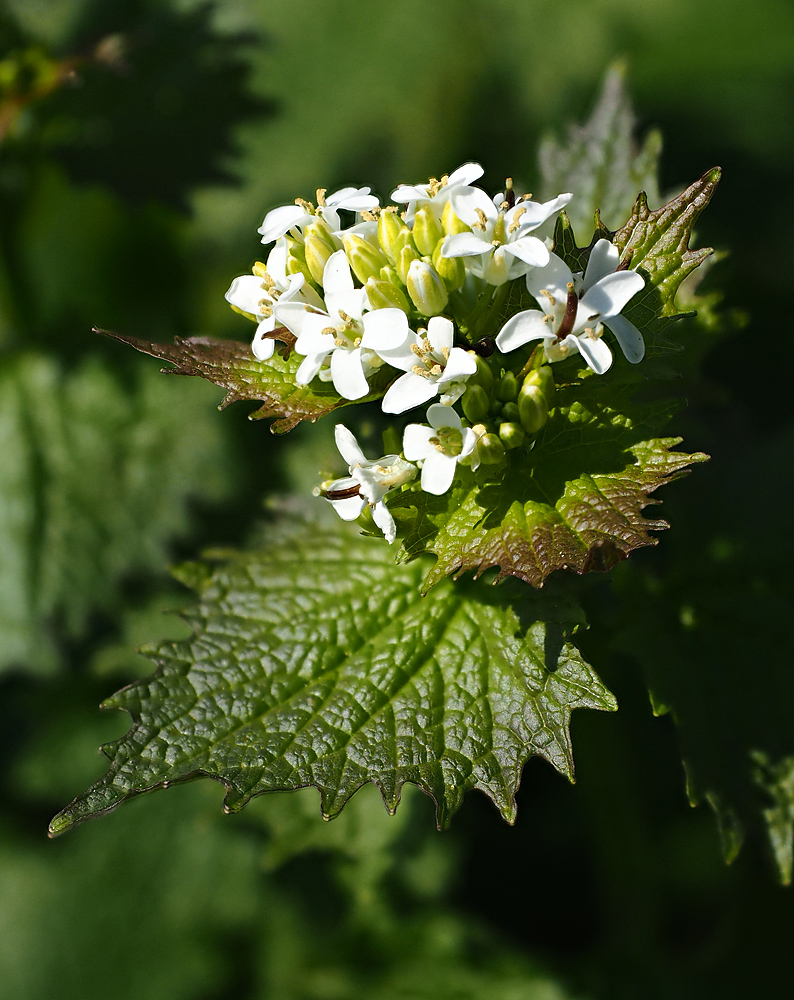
141,145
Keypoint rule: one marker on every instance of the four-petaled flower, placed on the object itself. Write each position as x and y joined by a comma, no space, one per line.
499,247
368,483
280,220
438,447
575,308
431,365
436,193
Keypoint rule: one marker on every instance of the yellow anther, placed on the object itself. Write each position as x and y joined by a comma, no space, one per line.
433,440
329,330
264,310
515,224
436,370
445,353
426,344
440,447
417,370
321,197
433,187
417,350
549,296
482,219
525,197
305,205
341,342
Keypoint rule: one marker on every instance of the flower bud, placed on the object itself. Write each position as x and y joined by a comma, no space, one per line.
450,223
427,230
296,260
490,449
365,260
533,408
451,269
317,252
511,435
475,403
385,295
391,234
483,376
544,379
319,230
405,258
510,412
507,388
428,292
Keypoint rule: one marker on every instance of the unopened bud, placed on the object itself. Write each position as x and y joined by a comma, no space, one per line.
365,260
405,258
317,252
296,260
544,379
484,375
384,295
490,449
533,408
451,269
510,412
507,388
475,403
428,292
391,234
511,435
320,230
450,223
427,230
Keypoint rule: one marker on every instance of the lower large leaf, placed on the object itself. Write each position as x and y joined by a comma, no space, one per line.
317,662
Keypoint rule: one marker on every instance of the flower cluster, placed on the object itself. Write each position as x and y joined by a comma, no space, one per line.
417,289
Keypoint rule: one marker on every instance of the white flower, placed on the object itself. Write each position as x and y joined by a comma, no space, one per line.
280,220
436,193
368,482
499,247
438,447
575,309
257,295
342,332
431,365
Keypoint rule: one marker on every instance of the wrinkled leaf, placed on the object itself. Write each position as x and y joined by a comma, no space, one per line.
231,365
317,662
600,161
777,780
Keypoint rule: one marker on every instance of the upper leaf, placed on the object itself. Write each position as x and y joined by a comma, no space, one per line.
231,365
600,161
318,663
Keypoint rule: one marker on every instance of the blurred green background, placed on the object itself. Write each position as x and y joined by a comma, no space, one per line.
140,146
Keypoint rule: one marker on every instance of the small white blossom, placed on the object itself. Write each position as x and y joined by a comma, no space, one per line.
280,220
436,193
575,308
341,332
499,247
368,483
257,295
438,447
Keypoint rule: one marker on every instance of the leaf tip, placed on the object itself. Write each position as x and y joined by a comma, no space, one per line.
60,824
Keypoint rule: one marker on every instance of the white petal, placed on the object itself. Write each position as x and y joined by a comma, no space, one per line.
460,364
408,391
337,278
537,213
441,334
469,441
277,264
628,336
612,292
522,328
281,220
385,329
443,416
596,353
465,245
312,340
330,217
347,373
529,249
309,367
402,357
246,292
465,174
295,315
438,472
409,192
554,277
604,259
353,199
416,442
350,508
384,520
466,201
262,347
348,446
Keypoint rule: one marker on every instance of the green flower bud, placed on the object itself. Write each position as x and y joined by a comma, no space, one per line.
490,449
532,408
511,435
510,412
427,230
507,388
475,403
317,252
428,292
451,269
385,295
319,230
389,274
484,375
296,261
544,379
405,258
365,260
450,223
391,234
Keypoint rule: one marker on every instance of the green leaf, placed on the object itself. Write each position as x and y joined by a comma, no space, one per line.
317,662
231,365
529,528
777,780
600,162
94,481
